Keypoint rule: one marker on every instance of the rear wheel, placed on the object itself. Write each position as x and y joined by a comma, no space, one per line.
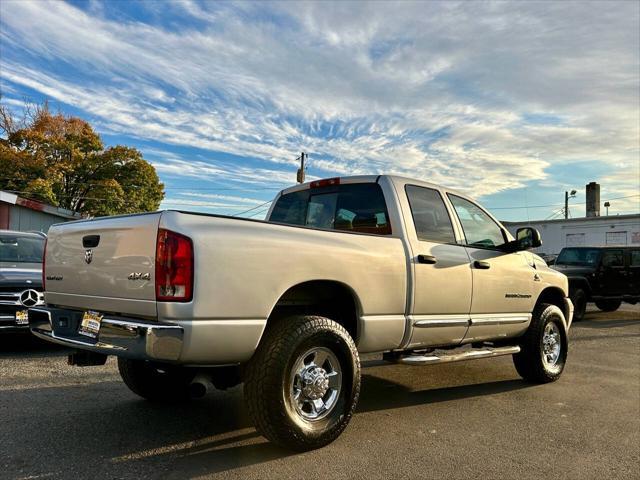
544,347
608,305
579,299
302,384
155,382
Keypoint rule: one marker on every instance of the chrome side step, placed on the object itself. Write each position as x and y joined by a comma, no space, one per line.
444,357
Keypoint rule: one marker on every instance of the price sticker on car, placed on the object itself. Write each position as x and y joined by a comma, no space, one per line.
90,325
22,317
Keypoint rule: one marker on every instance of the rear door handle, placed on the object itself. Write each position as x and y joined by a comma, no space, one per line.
479,264
428,259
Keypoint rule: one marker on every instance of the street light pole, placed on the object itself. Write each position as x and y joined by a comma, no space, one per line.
567,196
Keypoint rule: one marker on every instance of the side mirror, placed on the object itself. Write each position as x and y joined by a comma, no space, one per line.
527,238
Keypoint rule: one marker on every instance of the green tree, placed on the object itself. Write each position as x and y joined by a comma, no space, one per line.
61,160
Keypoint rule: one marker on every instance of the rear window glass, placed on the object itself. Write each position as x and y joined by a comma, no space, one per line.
358,207
430,216
635,258
19,249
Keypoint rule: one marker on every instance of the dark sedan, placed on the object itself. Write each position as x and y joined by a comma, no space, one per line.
20,277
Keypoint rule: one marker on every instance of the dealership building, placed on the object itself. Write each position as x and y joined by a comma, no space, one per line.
24,215
592,230
588,231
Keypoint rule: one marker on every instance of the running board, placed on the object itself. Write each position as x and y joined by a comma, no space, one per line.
445,357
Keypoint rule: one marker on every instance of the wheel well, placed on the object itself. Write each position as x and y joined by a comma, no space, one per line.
326,298
554,296
580,283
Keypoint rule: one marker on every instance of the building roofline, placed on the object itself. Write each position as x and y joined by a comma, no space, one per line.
629,216
13,199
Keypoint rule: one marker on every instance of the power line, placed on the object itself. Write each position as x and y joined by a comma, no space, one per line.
251,209
555,204
257,213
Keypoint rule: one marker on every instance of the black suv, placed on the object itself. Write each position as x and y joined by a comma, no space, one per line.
20,277
607,276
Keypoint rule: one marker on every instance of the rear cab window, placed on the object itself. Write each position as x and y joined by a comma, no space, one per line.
356,207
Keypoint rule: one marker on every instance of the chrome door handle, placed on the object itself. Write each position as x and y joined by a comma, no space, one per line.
480,265
428,259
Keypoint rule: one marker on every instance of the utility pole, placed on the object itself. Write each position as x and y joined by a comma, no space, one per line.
567,196
300,175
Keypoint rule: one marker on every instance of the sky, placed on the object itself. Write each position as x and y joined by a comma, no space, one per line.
512,103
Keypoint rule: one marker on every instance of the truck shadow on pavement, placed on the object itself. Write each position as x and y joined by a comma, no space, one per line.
377,394
209,436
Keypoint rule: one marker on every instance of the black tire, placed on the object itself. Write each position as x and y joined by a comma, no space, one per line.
579,299
157,383
531,363
270,382
608,305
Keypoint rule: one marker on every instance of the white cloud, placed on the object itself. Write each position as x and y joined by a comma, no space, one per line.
431,90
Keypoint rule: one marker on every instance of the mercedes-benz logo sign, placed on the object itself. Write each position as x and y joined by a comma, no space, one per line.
88,255
29,298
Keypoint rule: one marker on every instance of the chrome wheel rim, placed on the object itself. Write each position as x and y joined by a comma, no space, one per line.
316,381
551,345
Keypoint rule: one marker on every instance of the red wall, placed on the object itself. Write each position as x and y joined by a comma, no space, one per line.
4,216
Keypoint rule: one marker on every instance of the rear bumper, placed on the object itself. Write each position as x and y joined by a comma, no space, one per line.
124,337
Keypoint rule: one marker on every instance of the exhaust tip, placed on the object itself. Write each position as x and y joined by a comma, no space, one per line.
197,390
199,386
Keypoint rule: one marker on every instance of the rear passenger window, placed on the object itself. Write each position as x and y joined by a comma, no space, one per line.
635,258
612,258
358,207
430,216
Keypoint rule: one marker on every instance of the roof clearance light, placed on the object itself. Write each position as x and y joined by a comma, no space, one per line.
325,183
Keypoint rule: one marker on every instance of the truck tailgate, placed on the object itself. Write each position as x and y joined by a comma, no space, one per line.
105,264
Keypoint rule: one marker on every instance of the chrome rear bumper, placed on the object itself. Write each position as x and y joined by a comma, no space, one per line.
124,337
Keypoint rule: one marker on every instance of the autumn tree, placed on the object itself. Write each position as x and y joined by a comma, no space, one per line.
61,160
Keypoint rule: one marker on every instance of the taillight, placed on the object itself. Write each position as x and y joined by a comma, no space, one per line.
44,258
174,267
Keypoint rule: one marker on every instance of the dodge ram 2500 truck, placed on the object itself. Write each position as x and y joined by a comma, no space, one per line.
340,267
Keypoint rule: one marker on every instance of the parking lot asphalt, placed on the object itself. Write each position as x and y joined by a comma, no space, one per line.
466,420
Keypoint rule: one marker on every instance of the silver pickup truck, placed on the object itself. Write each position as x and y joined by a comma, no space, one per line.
341,267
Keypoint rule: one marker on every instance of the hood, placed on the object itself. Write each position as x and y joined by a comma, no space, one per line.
20,274
573,270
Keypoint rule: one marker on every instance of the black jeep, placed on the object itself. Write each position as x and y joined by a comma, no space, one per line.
607,276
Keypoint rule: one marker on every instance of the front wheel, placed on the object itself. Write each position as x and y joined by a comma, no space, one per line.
544,346
608,305
302,384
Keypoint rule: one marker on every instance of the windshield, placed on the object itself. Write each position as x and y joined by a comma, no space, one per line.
578,256
21,249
